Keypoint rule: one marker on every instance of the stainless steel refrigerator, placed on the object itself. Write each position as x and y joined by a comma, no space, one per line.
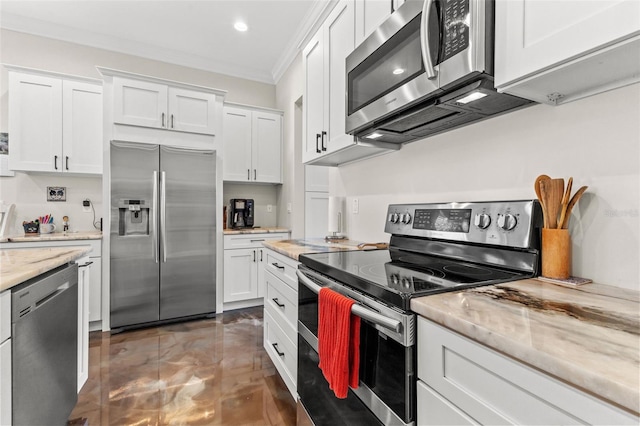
163,234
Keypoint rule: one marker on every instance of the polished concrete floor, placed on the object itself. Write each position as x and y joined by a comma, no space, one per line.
203,372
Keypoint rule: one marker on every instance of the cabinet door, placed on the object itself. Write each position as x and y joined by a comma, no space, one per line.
95,290
313,100
316,178
35,122
81,127
533,36
84,279
339,43
266,130
191,111
369,15
240,275
5,383
140,103
434,410
316,214
237,144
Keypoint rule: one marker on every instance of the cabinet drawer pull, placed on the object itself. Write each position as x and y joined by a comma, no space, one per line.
277,302
55,162
318,143
258,240
275,346
278,266
66,165
324,147
85,265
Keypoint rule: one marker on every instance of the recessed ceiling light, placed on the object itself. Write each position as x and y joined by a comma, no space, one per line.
398,71
240,26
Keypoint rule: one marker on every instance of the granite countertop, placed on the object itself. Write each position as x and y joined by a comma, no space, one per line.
265,230
588,336
19,265
56,236
294,248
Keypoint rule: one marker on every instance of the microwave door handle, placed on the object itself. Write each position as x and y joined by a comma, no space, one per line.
424,40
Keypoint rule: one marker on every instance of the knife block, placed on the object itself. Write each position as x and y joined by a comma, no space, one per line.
556,253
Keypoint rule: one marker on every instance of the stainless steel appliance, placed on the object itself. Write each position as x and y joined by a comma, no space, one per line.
242,213
44,319
427,69
163,234
434,248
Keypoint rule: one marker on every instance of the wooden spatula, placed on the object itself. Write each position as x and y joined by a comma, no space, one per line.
565,202
574,200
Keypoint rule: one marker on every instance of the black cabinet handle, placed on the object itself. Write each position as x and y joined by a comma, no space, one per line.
248,174
66,162
275,346
55,162
324,147
277,302
85,264
254,255
163,119
255,174
172,121
260,255
278,266
318,143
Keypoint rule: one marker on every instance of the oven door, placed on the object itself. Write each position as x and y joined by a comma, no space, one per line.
387,388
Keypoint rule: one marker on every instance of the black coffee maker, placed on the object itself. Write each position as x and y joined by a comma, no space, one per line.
241,213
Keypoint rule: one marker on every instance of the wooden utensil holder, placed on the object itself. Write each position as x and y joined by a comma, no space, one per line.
556,253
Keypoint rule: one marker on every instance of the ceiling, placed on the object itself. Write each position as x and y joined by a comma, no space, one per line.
197,34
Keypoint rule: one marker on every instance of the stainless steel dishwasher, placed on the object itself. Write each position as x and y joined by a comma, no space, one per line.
44,320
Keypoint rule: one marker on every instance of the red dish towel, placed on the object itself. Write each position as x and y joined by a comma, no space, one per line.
338,341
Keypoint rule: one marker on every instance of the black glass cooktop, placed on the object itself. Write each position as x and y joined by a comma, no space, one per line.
395,276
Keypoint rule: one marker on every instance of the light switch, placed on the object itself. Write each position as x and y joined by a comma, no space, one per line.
355,206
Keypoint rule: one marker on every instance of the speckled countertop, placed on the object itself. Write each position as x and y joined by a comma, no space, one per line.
55,236
264,230
588,336
294,248
19,265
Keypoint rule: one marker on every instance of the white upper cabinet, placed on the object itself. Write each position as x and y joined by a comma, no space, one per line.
324,70
150,104
252,144
55,123
557,51
370,14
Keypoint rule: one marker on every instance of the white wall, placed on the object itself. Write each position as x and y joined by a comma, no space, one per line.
595,140
27,191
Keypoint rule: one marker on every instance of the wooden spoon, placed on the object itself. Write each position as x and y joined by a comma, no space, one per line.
536,187
552,192
574,200
565,202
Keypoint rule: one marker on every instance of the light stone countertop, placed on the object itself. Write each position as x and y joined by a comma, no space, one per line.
265,230
19,265
588,336
294,248
56,236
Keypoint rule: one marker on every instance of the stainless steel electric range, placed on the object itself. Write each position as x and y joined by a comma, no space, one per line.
434,248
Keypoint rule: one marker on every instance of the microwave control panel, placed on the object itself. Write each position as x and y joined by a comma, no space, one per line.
455,25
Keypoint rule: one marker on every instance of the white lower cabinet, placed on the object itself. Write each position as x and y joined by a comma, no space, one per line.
84,280
281,316
464,382
244,256
5,357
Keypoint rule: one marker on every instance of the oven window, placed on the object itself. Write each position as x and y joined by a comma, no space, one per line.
394,63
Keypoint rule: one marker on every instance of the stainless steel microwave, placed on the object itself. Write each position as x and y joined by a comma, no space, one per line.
427,68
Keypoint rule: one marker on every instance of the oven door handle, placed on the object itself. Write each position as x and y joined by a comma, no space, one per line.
356,309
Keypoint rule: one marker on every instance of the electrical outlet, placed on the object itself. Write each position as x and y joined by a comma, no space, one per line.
355,208
288,207
86,206
269,208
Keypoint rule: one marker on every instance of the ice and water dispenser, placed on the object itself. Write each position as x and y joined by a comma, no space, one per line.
133,217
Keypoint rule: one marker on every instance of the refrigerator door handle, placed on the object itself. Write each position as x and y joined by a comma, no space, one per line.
163,215
154,216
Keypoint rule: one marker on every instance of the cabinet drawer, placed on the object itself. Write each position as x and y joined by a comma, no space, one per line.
434,410
282,267
5,315
282,351
251,240
282,303
494,389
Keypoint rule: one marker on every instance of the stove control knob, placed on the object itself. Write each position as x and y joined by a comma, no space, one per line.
406,218
395,279
390,219
395,218
482,220
406,283
507,222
